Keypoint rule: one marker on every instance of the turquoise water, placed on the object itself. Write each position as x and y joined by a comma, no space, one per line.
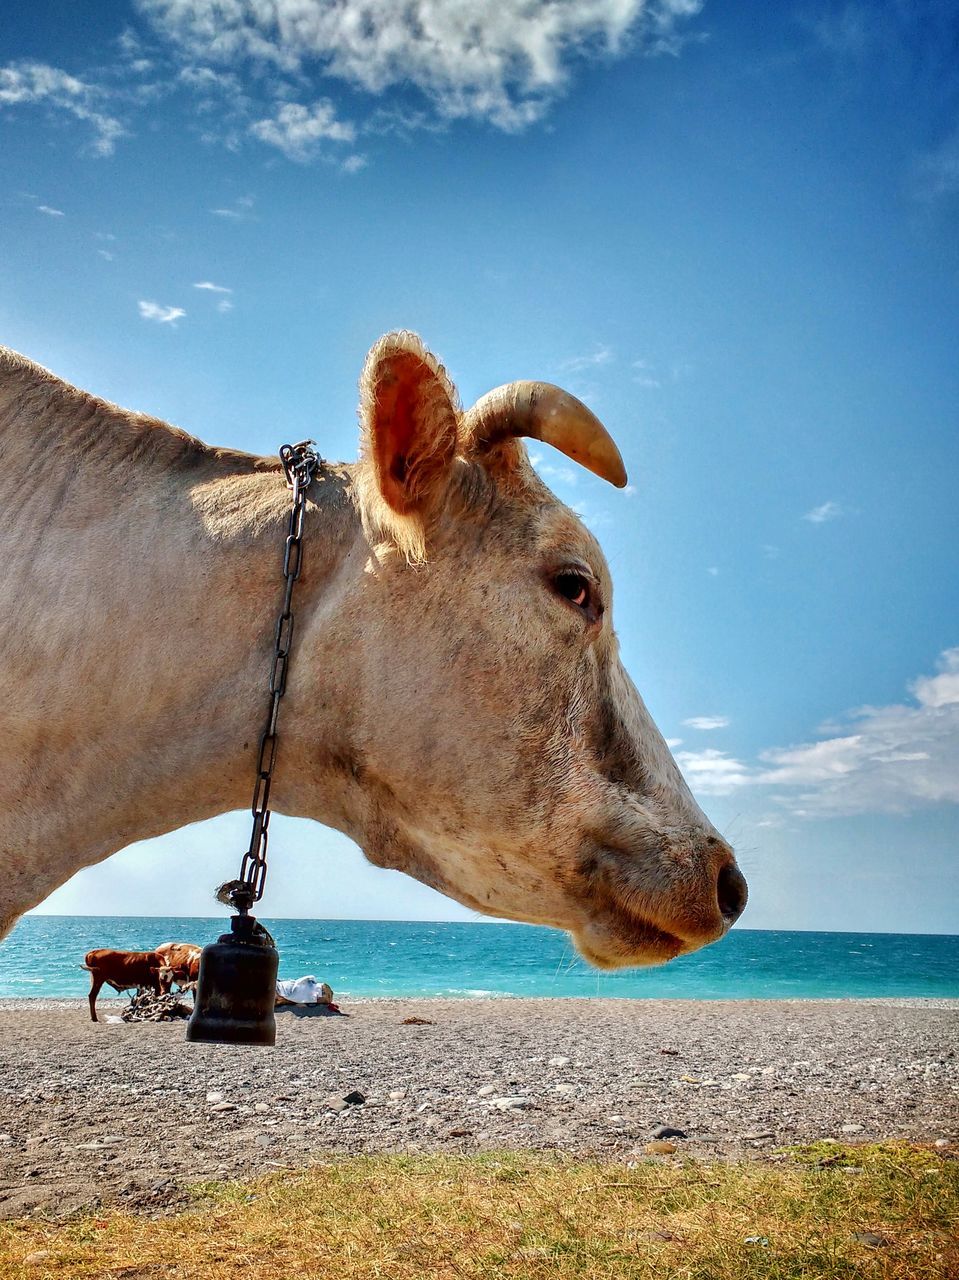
42,955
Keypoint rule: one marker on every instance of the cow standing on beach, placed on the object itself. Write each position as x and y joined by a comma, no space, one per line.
182,959
456,702
125,971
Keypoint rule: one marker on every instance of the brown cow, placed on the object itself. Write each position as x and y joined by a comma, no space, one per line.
125,971
183,961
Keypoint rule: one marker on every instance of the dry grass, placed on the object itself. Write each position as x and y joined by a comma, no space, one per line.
530,1216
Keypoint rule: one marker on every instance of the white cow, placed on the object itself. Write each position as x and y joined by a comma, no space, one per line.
456,702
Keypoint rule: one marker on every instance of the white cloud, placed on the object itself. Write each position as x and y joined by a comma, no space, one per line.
354,163
601,356
891,759
713,571
712,772
674,742
821,514
211,287
36,84
941,690
240,210
503,63
51,213
106,255
645,375
707,722
224,305
298,131
162,315
557,474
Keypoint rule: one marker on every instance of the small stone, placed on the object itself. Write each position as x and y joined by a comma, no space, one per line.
660,1148
757,1135
871,1239
740,1075
459,1133
335,1103
665,1131
416,1022
221,1108
263,1139
512,1103
354,1098
558,1061
851,1168
762,1241
850,1128
397,1094
673,1053
564,1087
689,1079
486,1090
942,1143
38,1257
261,1108
214,1096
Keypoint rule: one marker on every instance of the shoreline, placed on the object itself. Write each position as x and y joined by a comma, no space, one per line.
97,1113
41,1004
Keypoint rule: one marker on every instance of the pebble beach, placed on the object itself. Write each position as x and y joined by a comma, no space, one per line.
131,1114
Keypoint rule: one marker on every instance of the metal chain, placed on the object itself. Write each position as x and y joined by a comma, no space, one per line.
300,462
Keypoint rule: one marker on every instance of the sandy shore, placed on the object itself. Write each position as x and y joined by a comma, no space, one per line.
132,1113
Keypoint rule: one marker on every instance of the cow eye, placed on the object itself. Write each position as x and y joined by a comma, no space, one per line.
575,588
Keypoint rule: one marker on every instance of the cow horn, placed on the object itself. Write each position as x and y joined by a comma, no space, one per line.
544,412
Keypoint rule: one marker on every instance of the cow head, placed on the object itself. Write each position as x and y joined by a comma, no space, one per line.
503,754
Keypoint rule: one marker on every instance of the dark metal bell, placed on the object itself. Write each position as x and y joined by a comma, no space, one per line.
236,989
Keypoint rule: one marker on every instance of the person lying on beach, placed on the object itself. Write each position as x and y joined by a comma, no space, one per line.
305,991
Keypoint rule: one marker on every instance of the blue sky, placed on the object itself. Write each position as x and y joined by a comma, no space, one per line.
731,229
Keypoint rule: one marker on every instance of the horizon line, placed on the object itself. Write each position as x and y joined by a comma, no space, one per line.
114,915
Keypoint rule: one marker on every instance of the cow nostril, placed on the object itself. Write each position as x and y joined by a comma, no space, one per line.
731,893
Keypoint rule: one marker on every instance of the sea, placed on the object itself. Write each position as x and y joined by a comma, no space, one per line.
42,956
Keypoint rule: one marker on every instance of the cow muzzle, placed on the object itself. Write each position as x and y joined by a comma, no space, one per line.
642,914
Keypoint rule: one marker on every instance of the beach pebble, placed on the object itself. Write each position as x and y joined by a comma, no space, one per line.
660,1148
261,1108
221,1108
564,1087
214,1096
486,1090
757,1135
37,1258
665,1131
558,1061
514,1102
942,1143
354,1098
850,1128
396,1094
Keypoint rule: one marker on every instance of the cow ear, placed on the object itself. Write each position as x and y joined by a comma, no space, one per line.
409,423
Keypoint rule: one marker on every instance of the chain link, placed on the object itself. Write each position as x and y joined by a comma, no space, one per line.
300,462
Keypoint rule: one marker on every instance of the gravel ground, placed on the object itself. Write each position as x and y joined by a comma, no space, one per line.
100,1113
